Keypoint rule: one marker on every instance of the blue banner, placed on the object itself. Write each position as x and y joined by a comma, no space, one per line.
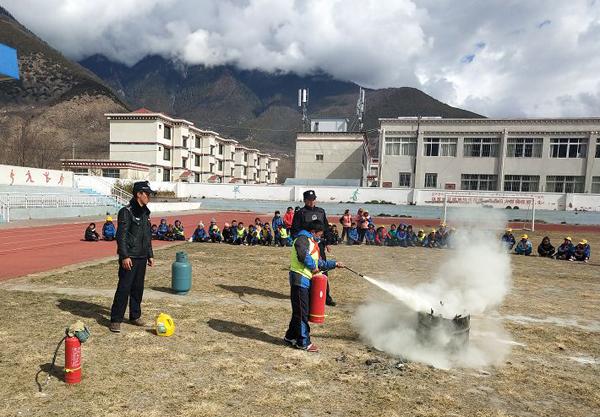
9,65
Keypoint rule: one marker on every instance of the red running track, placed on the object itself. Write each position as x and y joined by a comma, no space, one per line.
30,250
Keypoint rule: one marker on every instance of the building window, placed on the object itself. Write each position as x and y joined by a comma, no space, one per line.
197,160
404,179
440,146
401,146
220,165
528,183
167,154
185,139
315,126
167,175
232,172
564,184
232,156
319,156
245,157
568,148
212,149
524,147
167,132
212,168
159,148
596,185
184,162
597,148
431,180
220,149
481,147
244,170
81,171
111,173
198,142
196,177
481,182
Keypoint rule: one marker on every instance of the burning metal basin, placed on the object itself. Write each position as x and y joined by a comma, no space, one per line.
446,333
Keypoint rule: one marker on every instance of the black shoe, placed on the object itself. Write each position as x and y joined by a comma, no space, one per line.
331,303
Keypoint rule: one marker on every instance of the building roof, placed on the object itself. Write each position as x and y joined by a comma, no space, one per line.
103,163
142,110
486,121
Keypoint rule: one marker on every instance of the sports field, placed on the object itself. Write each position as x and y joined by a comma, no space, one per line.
226,357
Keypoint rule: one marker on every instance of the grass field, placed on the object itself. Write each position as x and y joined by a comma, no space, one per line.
226,357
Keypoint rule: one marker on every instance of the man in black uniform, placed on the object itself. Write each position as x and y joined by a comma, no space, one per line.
134,247
305,216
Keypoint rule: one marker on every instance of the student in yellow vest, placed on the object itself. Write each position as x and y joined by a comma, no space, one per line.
304,263
284,237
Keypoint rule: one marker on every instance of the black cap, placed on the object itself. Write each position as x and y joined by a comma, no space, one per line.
142,186
310,195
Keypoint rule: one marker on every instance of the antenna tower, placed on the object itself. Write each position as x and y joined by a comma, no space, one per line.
303,105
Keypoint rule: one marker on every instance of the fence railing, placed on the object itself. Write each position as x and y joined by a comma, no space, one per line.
104,186
38,200
4,212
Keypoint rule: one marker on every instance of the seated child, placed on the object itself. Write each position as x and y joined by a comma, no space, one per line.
370,235
441,234
154,230
393,236
565,250
227,233
420,237
524,247
582,252
108,229
214,232
429,241
381,236
240,235
450,238
162,229
200,234
545,249
252,237
401,235
178,233
335,235
170,235
284,238
90,234
275,222
410,236
508,240
353,237
266,235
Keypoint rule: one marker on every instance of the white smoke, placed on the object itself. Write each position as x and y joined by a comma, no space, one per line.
472,280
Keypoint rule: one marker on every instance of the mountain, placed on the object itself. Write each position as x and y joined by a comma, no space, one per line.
55,107
254,106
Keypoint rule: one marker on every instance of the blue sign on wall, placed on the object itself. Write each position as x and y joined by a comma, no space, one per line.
9,65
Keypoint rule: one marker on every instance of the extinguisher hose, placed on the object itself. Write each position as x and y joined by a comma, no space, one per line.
52,366
354,272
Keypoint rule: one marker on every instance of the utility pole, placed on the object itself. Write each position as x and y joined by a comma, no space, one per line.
73,150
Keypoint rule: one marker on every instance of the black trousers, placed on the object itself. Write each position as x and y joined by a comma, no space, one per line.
323,252
299,329
130,289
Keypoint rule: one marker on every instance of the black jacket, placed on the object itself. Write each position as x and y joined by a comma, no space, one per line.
305,215
134,234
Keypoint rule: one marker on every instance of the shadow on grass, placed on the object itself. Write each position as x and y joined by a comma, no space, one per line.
243,330
85,309
44,376
242,290
163,289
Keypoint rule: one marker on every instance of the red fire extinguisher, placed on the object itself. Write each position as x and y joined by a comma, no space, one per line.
72,360
318,290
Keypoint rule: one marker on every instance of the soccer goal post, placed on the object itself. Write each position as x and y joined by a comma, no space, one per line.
525,216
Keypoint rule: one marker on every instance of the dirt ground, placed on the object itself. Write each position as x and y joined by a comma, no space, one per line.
227,358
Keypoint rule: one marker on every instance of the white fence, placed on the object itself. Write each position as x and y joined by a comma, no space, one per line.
21,200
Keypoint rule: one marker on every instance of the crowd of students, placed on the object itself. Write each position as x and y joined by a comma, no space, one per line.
566,251
355,230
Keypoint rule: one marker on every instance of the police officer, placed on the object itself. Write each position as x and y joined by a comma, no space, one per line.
305,216
134,247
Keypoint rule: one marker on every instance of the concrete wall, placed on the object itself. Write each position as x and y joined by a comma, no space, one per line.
15,175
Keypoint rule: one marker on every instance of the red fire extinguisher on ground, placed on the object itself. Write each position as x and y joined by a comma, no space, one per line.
72,360
318,291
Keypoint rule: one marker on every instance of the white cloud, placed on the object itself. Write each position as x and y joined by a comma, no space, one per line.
497,57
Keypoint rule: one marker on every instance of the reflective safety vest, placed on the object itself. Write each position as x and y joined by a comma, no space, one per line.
283,233
298,266
240,232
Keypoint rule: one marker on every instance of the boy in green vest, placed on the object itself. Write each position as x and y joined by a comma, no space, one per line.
305,261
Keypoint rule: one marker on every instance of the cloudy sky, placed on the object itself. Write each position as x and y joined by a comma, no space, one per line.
500,58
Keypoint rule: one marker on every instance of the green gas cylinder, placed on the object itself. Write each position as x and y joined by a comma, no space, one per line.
181,272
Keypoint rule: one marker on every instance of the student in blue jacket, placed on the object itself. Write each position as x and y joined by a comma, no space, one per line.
353,236
524,247
162,230
108,229
305,261
566,250
200,234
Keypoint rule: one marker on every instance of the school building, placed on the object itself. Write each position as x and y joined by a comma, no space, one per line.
515,155
157,147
